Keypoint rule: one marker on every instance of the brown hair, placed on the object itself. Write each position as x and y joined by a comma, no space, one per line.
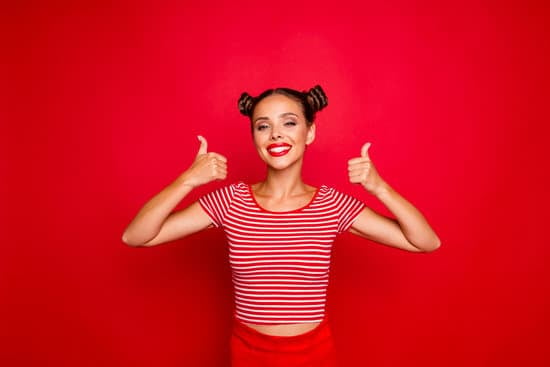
311,101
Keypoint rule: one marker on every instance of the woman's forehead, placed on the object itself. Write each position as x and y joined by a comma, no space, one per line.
276,103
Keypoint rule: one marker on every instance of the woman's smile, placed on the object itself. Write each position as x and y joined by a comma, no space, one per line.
279,149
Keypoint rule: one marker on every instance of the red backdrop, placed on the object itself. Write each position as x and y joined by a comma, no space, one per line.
104,103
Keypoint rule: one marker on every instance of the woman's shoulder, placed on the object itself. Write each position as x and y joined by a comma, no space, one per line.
228,187
227,191
234,184
238,187
335,192
326,188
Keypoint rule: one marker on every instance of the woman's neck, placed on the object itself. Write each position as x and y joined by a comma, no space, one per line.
282,183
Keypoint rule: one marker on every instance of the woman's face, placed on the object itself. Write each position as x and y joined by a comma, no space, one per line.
280,131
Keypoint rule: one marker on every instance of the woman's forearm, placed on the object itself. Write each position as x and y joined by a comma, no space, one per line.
148,221
206,167
413,224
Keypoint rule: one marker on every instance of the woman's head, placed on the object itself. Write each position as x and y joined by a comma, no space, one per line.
282,123
310,101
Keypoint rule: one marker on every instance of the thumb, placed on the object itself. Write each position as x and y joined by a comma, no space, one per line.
204,145
365,150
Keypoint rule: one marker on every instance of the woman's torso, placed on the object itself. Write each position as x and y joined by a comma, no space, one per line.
298,202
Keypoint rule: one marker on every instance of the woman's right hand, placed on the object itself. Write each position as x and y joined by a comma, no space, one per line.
207,167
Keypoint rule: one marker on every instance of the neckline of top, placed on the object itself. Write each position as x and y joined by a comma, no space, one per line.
249,188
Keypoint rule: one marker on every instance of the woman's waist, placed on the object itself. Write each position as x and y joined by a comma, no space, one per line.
280,327
283,329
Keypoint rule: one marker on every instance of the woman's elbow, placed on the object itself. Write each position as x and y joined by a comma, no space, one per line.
128,241
432,246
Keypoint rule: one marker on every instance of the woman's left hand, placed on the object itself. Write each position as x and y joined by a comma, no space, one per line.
361,170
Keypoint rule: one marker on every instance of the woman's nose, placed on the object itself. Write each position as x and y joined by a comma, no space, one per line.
275,134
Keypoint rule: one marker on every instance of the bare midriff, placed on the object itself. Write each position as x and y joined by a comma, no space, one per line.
284,329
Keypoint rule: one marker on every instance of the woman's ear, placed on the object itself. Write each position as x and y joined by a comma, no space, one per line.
310,134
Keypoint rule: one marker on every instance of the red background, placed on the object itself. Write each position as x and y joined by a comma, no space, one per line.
103,105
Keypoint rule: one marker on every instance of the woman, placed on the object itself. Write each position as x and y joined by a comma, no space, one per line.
280,230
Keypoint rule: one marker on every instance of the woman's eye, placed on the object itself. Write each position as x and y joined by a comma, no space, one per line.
261,127
290,123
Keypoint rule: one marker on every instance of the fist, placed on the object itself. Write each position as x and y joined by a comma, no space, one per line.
362,171
207,166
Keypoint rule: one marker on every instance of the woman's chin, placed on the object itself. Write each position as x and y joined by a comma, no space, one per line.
277,168
280,165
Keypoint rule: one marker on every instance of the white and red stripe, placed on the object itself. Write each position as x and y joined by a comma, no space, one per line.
280,260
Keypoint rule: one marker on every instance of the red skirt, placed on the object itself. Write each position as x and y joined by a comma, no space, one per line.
251,348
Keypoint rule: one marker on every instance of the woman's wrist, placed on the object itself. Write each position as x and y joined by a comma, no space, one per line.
382,190
185,180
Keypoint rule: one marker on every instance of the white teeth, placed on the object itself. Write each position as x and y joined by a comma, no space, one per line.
279,149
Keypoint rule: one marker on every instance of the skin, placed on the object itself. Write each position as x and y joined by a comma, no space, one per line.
278,118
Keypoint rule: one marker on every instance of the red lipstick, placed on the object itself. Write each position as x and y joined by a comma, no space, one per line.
278,150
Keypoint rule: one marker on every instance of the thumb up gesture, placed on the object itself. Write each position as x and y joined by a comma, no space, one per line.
361,170
207,166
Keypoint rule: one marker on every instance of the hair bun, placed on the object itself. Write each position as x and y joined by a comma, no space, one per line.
317,98
245,104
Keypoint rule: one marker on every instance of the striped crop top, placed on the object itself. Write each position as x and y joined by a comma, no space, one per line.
280,260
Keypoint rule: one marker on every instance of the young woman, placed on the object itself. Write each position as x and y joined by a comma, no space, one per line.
280,230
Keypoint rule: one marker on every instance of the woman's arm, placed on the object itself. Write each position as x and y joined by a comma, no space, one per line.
155,223
409,230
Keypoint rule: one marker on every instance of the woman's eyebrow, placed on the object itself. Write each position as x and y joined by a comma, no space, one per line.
281,115
287,113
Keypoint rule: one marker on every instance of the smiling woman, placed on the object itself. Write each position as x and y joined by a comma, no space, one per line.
280,230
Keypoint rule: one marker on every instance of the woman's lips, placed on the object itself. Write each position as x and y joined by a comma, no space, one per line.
278,150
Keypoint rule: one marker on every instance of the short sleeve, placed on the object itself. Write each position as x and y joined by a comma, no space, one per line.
216,203
348,208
